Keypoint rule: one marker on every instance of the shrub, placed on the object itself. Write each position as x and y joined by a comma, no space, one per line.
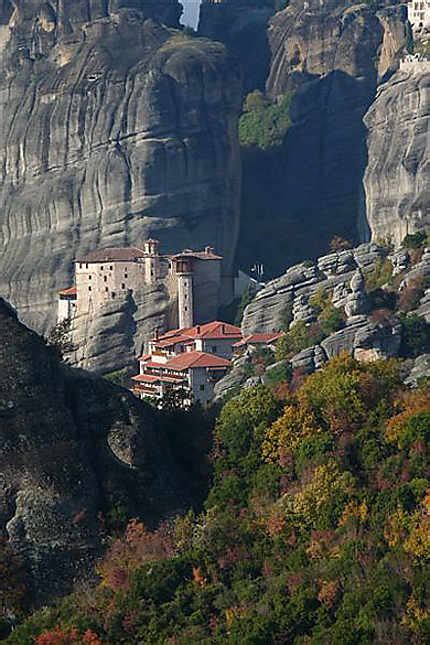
264,124
415,335
59,338
415,240
300,337
331,319
411,294
340,244
380,275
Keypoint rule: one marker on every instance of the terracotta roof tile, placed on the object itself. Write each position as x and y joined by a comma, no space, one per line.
196,359
211,330
113,254
71,291
259,338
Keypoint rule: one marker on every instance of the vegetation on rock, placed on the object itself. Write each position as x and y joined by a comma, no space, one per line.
264,124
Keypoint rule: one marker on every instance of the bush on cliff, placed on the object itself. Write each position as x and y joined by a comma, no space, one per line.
264,124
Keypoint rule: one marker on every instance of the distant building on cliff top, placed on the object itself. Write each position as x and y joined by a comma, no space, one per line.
192,278
419,15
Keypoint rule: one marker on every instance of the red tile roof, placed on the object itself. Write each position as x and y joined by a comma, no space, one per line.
191,360
71,291
211,330
259,338
149,378
113,254
169,342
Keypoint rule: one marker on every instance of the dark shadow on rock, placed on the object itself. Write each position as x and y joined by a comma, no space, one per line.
295,198
243,29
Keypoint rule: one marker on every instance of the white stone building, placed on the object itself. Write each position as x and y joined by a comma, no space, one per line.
66,304
109,273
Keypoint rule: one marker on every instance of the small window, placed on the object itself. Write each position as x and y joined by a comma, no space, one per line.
123,286
86,266
80,265
105,278
90,277
202,387
110,268
89,288
113,294
186,308
185,296
106,289
125,276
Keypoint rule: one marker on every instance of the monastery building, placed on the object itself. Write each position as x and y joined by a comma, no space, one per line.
192,278
191,360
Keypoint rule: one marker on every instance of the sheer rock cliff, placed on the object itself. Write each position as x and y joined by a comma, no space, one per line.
397,178
330,57
114,126
72,449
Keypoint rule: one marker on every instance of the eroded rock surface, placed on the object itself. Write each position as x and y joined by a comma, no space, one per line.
114,127
371,288
72,448
397,179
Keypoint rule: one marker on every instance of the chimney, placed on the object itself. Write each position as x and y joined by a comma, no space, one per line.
198,329
223,329
157,334
209,250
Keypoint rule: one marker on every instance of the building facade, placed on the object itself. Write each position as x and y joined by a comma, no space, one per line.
192,278
66,304
193,375
188,361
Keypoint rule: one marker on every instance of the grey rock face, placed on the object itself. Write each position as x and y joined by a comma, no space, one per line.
397,178
309,359
420,369
332,273
367,334
242,26
357,301
115,335
71,447
114,128
364,339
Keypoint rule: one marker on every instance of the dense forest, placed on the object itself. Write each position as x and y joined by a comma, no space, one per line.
316,529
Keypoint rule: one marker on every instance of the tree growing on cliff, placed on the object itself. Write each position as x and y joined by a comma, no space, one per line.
264,124
339,243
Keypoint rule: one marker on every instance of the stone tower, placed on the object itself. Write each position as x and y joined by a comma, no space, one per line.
184,274
152,261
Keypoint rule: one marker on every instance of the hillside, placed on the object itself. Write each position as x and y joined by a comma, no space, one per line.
78,457
316,528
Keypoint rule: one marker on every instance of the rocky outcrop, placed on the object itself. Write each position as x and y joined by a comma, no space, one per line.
329,56
397,179
72,449
332,273
114,336
114,127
